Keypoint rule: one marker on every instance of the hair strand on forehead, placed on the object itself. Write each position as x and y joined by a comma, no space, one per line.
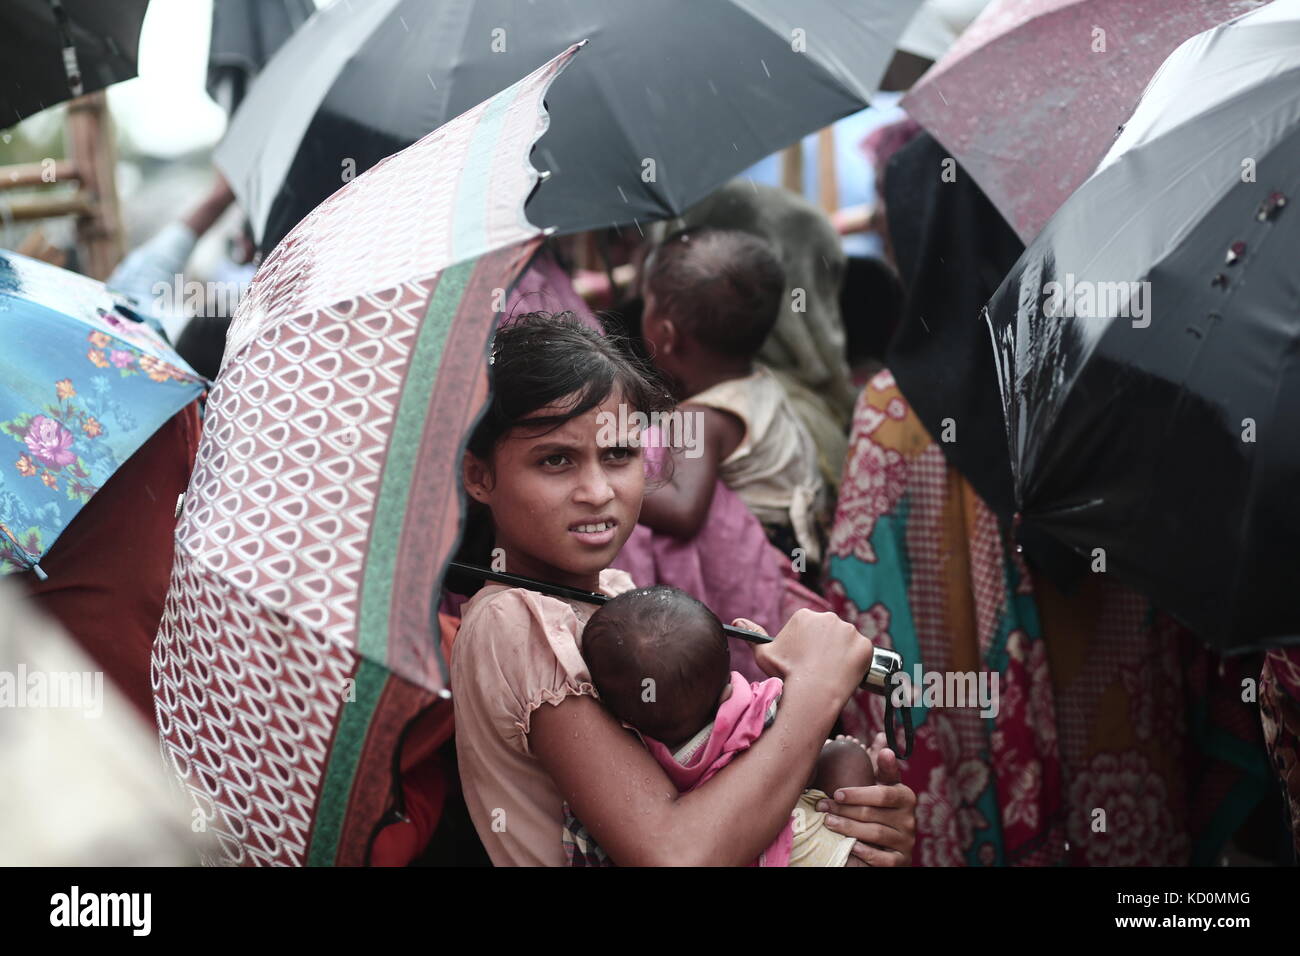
541,360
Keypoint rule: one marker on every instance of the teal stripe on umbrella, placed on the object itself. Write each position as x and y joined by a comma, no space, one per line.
408,431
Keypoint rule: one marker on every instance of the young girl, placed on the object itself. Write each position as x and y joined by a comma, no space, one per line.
530,735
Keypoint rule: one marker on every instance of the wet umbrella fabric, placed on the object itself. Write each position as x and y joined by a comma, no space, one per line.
671,99
300,633
36,68
244,35
1029,97
85,384
1145,343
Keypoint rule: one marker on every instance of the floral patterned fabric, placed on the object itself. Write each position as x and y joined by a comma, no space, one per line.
1085,761
84,386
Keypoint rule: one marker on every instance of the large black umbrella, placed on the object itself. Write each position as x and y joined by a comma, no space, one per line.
244,35
53,50
671,99
1148,342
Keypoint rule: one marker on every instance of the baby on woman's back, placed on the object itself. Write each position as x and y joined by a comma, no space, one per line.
711,299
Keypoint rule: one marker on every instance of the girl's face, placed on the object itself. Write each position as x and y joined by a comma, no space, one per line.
562,503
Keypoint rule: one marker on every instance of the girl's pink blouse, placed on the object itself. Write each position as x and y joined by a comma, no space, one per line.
516,650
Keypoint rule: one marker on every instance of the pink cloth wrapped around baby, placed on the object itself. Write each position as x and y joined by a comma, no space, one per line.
739,722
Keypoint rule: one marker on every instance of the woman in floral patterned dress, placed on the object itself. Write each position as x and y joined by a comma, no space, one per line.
1102,705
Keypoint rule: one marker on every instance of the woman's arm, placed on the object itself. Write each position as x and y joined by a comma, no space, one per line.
632,810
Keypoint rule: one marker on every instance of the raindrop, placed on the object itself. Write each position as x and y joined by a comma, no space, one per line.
1268,209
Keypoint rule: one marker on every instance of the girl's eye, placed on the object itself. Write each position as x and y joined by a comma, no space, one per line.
622,453
555,460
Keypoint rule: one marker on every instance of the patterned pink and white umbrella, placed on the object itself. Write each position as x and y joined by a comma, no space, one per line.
300,634
1029,98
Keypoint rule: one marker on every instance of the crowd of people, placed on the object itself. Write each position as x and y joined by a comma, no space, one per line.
822,503
1117,737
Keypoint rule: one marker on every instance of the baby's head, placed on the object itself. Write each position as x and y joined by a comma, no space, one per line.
665,636
710,294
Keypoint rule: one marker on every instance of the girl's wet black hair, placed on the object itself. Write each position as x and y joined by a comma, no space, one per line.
540,359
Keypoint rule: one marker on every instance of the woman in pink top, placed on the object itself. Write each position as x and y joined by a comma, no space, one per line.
564,490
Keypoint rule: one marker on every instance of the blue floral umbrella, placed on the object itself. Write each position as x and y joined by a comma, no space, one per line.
83,384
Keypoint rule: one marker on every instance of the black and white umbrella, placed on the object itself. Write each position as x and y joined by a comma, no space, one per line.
245,33
1148,343
671,99
53,50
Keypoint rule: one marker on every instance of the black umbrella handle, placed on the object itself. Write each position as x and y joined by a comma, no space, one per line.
883,678
891,735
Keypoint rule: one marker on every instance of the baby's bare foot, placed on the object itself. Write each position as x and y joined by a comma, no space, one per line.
844,762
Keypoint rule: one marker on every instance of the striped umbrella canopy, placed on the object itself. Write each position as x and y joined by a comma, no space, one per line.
299,636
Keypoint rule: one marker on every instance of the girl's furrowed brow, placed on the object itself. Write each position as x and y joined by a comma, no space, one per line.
552,447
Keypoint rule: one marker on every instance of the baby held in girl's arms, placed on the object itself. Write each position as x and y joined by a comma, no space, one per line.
660,662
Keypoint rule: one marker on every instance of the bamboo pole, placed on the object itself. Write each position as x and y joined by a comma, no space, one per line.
36,174
48,207
828,192
91,149
792,168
